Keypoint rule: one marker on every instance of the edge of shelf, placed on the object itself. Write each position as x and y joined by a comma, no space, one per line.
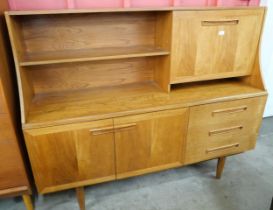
156,52
140,111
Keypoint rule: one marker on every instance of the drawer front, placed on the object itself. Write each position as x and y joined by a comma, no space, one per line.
2,107
214,44
227,112
223,128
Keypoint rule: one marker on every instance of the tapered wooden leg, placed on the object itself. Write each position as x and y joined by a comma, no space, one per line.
28,202
81,197
220,167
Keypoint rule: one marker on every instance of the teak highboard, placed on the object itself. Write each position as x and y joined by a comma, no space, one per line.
111,94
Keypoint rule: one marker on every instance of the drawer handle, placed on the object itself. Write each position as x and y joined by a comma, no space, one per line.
225,130
230,111
101,131
125,127
219,22
223,148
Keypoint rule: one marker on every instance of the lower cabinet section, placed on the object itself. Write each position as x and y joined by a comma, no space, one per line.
222,129
150,142
69,156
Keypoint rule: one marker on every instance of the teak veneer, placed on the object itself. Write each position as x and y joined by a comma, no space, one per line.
13,174
111,94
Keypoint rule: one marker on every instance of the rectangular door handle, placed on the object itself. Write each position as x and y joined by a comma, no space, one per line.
101,131
125,127
225,130
106,130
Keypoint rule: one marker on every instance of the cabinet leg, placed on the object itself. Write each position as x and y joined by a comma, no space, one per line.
28,202
81,197
220,167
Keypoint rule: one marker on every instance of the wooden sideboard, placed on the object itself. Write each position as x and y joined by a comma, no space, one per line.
13,176
111,94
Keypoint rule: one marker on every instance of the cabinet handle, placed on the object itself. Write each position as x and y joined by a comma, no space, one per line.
230,111
101,131
106,130
223,148
225,130
219,22
125,127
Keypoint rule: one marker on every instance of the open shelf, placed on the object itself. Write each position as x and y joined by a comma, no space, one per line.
101,103
82,55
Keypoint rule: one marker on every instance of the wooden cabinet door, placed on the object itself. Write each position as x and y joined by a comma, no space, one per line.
69,156
150,142
214,44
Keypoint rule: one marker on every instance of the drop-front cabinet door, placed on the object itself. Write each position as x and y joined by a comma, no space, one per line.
150,142
69,156
214,44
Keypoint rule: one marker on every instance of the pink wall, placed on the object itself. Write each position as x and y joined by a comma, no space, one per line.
83,4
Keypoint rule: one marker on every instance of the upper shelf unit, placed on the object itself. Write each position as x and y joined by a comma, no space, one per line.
67,61
58,53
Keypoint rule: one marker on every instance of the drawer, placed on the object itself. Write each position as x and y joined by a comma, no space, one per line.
2,107
222,129
227,112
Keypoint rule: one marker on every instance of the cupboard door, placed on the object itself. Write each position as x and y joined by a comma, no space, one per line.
214,44
68,156
150,142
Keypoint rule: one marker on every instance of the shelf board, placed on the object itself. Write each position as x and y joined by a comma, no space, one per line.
55,57
102,103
